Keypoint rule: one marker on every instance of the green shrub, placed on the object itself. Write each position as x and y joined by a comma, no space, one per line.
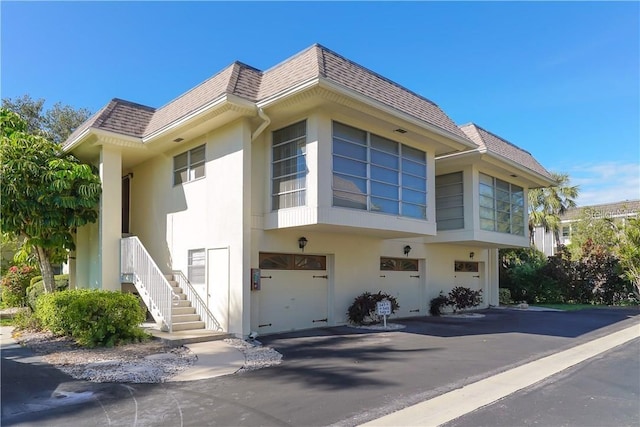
14,285
461,298
37,288
363,309
504,296
437,304
92,317
26,320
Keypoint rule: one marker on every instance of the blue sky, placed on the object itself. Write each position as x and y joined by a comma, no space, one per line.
561,80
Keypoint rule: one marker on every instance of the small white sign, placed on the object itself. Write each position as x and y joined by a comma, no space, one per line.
383,308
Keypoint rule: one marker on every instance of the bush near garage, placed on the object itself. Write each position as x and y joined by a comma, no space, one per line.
92,317
504,296
461,298
438,303
14,285
363,309
36,288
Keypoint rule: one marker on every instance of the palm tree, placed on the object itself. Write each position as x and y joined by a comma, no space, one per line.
547,204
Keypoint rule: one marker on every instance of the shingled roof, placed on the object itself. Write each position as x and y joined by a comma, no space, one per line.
497,145
244,81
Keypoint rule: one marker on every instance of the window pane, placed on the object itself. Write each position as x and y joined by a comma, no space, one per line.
486,190
180,161
351,167
382,205
486,202
503,185
450,178
384,159
197,155
384,190
275,261
285,167
385,175
414,154
449,213
486,179
349,200
349,183
289,133
487,213
289,200
503,196
290,149
198,171
290,183
447,202
414,211
448,190
310,262
414,182
409,265
414,168
179,177
451,224
388,264
487,224
349,133
349,149
384,144
196,266
503,206
416,197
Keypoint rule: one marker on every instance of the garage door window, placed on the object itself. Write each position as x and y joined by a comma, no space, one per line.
273,261
466,266
398,264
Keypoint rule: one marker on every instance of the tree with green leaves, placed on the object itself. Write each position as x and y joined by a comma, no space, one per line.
629,253
547,204
46,194
55,124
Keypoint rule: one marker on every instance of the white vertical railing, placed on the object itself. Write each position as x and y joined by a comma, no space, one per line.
137,267
196,301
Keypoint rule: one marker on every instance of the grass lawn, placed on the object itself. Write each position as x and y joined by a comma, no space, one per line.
6,322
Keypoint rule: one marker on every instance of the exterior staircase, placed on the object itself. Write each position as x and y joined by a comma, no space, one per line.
183,314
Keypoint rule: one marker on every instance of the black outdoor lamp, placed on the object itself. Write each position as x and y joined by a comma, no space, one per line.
407,249
302,242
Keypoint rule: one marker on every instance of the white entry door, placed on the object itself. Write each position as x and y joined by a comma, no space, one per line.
218,285
295,296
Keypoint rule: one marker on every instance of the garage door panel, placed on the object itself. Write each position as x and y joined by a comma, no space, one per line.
291,300
407,289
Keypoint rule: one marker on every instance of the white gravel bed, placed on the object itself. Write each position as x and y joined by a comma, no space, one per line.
147,362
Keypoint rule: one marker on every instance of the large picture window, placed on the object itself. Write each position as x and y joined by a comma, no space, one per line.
377,174
450,201
501,206
189,165
289,167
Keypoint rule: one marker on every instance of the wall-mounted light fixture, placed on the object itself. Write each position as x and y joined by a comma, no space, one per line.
471,255
302,242
407,249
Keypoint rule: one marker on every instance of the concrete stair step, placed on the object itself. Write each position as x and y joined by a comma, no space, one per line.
184,326
182,303
183,310
181,318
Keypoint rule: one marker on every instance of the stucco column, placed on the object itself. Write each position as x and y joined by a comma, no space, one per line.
493,259
110,220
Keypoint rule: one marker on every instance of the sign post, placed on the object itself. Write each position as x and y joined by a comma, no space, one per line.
383,308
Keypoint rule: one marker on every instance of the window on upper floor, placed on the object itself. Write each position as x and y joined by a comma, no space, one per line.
501,206
196,266
377,174
289,167
189,165
449,201
566,231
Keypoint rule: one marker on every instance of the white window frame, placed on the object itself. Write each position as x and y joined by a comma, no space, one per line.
399,175
515,211
196,266
191,167
289,187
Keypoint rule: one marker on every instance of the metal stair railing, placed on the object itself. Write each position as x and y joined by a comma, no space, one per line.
196,301
137,267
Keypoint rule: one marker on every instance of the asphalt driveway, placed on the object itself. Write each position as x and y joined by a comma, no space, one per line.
330,376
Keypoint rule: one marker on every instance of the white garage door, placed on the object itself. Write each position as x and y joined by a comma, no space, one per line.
294,292
402,278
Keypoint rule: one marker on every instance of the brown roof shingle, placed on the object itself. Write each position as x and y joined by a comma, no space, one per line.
247,82
497,145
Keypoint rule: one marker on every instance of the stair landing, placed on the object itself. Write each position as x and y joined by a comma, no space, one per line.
179,338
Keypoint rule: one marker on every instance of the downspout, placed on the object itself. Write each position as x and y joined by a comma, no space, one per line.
263,126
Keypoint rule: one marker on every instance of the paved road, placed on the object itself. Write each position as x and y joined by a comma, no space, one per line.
604,391
339,376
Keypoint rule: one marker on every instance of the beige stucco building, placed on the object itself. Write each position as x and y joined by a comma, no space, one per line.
327,177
